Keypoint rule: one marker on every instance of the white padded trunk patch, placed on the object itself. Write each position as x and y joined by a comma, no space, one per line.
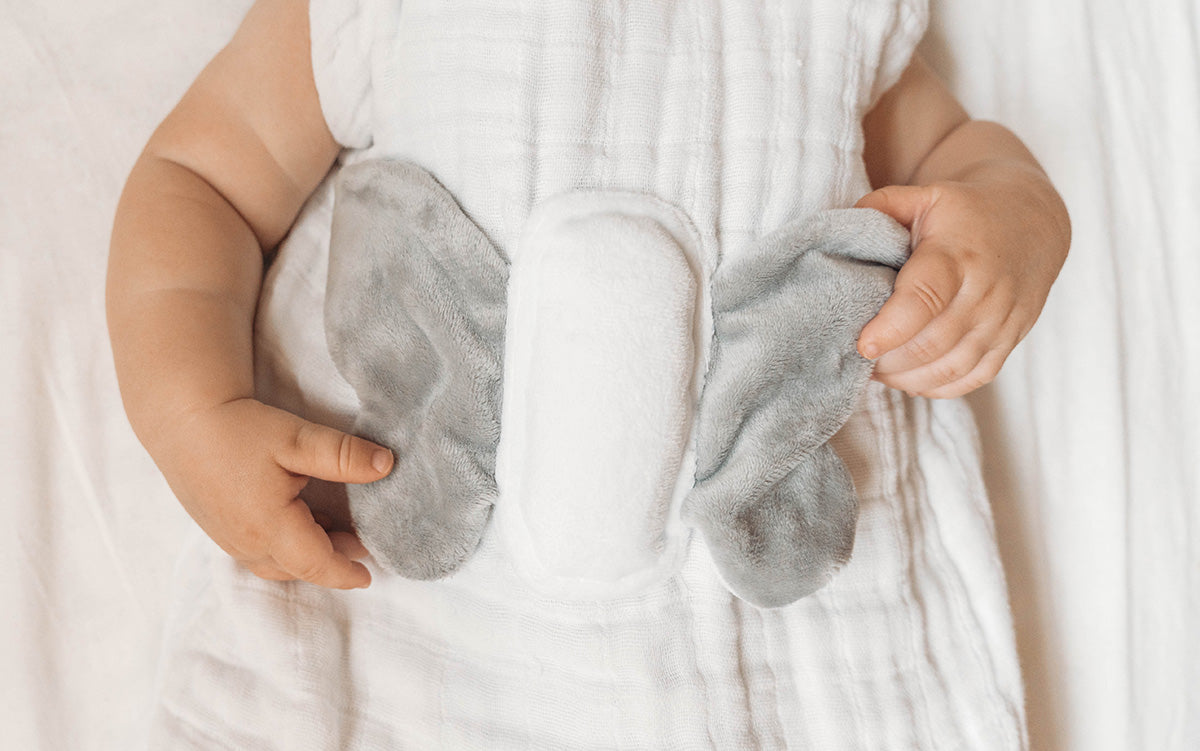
601,376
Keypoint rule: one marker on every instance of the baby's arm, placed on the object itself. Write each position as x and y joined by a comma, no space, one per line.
219,182
990,234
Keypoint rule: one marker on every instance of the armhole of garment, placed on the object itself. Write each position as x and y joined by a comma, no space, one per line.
902,31
341,34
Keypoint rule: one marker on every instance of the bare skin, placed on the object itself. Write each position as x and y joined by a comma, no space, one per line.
223,177
990,235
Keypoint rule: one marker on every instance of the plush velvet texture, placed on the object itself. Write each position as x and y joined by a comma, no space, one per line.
774,503
414,319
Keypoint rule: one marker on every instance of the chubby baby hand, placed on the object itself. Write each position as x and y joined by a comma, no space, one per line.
238,469
985,253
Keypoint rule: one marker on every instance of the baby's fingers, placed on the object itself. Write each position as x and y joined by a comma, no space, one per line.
924,288
961,359
348,545
344,543
269,571
318,451
303,549
930,344
983,373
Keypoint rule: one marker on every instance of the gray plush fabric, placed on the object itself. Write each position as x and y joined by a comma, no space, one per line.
774,503
414,319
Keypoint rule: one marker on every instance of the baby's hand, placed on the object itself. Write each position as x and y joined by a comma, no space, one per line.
984,256
238,469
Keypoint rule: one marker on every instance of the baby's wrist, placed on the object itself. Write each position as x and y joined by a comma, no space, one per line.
987,156
163,429
1026,192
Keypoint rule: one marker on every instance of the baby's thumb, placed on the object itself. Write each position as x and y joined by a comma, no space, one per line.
904,203
328,454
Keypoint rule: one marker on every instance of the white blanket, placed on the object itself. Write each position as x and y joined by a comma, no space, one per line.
1090,434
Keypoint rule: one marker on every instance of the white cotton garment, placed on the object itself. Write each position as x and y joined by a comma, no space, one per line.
739,116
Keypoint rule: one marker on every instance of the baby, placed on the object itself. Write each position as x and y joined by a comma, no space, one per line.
223,178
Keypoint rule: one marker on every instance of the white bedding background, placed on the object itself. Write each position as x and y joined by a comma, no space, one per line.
1090,434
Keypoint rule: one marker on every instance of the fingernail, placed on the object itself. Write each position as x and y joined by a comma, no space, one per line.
869,351
381,460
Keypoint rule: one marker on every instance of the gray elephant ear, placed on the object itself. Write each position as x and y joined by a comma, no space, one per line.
775,504
414,320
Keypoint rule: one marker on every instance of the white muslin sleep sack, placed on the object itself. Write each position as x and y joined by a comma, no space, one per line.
682,133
